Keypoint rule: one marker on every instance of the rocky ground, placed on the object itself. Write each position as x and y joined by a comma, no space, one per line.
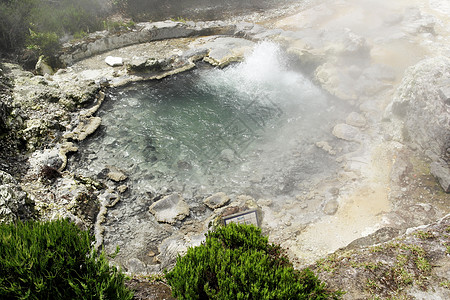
388,61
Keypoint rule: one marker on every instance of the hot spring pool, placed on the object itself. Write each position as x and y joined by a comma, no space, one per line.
249,128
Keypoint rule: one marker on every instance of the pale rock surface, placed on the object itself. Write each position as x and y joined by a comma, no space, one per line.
170,209
346,132
114,61
14,202
217,200
356,119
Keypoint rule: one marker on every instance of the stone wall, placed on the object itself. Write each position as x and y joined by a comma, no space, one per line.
99,42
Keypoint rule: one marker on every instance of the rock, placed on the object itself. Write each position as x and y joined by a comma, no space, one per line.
84,129
135,266
217,200
14,202
122,188
331,207
401,167
225,50
356,119
45,158
116,175
441,171
227,155
170,209
346,132
114,61
380,236
63,150
326,147
354,44
42,68
418,112
444,92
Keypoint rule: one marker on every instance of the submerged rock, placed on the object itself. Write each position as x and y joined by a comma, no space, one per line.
170,209
116,175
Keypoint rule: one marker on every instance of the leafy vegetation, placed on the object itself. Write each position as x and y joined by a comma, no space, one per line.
237,262
55,260
39,24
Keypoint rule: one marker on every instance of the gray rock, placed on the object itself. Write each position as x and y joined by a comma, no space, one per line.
135,266
356,119
170,209
441,171
419,114
331,207
217,200
380,236
14,202
444,92
116,175
346,132
42,68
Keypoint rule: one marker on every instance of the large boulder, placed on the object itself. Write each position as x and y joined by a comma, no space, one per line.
420,112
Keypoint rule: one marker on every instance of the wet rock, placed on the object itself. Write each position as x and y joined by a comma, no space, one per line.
84,129
14,202
346,132
217,200
225,50
170,209
227,155
63,151
116,175
114,61
355,119
331,207
326,147
122,188
441,170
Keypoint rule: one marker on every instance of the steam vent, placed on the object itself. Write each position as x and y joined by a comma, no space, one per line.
325,123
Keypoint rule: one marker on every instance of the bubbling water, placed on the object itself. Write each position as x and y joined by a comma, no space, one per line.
233,129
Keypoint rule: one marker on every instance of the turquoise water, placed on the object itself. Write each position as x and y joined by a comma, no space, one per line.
249,127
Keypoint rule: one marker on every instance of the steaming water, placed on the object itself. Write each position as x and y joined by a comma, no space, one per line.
248,128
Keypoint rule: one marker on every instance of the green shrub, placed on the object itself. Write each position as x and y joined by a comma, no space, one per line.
237,262
54,260
45,43
48,20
